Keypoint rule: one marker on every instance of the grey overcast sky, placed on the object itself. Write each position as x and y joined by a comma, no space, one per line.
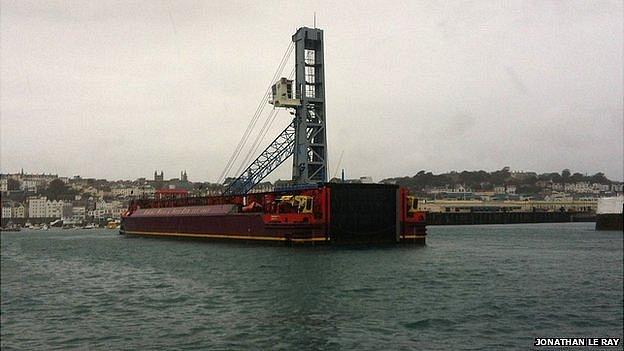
118,89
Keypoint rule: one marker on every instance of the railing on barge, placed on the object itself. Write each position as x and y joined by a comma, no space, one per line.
185,201
242,200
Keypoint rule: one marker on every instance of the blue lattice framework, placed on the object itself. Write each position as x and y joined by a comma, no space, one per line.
274,155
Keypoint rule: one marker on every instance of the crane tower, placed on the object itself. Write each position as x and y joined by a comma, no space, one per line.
310,149
305,137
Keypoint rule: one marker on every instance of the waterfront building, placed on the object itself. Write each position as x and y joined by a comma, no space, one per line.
7,209
104,210
37,206
54,209
18,210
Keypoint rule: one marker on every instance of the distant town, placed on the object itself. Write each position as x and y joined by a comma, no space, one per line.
29,199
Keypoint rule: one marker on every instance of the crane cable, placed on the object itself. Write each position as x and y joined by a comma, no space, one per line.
265,129
253,147
261,135
256,115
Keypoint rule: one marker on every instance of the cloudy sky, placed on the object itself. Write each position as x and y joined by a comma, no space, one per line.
117,89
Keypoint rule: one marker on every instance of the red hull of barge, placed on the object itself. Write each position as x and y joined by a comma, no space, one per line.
337,213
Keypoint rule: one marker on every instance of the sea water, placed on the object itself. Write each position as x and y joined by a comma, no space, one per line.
470,288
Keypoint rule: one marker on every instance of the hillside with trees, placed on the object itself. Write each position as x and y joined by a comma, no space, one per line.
525,182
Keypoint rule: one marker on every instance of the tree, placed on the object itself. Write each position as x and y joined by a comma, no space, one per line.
500,177
57,190
577,177
565,174
599,178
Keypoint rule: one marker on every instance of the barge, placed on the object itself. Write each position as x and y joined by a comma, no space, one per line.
329,213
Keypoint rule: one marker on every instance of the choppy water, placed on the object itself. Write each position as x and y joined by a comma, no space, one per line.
471,287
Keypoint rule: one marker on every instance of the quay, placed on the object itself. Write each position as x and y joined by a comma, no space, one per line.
452,212
463,218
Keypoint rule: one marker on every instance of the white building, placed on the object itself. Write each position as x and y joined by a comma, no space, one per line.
460,188
54,209
105,210
7,210
18,211
30,184
37,207
580,187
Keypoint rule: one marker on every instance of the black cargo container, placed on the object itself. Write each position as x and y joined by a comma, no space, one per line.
364,213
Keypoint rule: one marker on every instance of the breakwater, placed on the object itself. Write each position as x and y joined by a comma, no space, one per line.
463,218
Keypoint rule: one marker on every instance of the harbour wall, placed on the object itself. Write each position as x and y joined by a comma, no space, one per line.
22,221
610,221
463,218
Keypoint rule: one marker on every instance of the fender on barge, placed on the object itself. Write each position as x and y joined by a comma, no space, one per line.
329,213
